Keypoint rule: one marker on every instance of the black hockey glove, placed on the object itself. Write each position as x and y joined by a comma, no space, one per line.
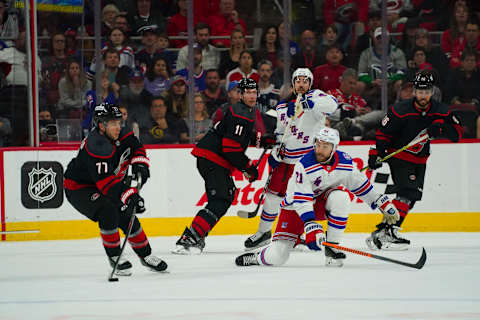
281,152
436,129
267,141
142,169
374,159
251,173
137,202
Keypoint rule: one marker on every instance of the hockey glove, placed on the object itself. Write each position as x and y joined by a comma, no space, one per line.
307,103
291,109
390,212
132,200
142,169
314,235
436,129
272,161
374,159
267,141
281,152
251,173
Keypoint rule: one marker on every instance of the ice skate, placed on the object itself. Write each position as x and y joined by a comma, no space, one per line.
334,257
300,245
124,267
259,239
189,243
247,259
387,238
154,263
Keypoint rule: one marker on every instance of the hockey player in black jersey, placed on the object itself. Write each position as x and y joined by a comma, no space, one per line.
418,117
220,151
94,185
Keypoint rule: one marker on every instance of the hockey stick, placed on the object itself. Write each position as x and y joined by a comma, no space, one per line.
418,265
129,230
412,143
251,214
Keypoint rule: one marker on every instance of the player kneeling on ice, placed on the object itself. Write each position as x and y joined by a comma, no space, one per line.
95,185
313,194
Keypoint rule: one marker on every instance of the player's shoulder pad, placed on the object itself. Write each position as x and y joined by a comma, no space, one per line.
403,108
343,157
124,133
439,107
309,159
98,145
242,111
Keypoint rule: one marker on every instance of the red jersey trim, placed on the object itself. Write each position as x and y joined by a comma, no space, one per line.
212,156
408,157
239,116
70,184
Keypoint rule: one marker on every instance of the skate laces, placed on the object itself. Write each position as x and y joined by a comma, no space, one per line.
250,259
257,236
152,260
394,232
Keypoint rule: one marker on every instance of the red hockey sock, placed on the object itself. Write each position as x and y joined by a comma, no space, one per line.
402,210
201,226
111,241
139,243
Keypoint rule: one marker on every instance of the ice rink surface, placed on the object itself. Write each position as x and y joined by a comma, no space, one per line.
62,280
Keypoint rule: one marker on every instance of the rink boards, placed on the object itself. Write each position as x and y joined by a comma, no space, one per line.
34,206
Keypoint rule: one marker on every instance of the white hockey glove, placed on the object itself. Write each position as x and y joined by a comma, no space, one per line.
390,212
314,235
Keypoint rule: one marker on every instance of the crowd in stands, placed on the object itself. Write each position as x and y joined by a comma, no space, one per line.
144,64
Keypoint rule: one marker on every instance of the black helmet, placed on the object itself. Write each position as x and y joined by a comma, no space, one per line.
247,83
423,80
105,112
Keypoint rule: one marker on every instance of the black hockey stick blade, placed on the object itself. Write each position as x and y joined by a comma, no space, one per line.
251,214
418,265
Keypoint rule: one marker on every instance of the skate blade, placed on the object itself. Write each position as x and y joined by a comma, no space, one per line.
333,263
395,247
260,245
370,244
123,273
181,250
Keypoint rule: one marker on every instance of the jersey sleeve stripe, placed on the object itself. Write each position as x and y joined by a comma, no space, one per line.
362,186
125,136
226,142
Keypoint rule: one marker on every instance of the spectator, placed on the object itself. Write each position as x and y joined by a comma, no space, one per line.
53,68
176,97
5,131
224,22
364,41
457,28
417,62
329,38
293,47
309,56
463,83
395,9
162,127
233,97
244,70
9,23
269,96
158,76
201,120
407,42
109,12
118,76
213,95
472,41
229,58
145,17
72,88
177,25
199,73
134,96
151,47
121,22
434,55
71,45
117,39
327,76
346,15
369,70
48,129
14,94
270,48
405,92
210,55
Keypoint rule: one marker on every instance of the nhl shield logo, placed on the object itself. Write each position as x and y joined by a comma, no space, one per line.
42,186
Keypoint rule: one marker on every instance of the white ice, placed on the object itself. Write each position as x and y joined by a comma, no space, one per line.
62,280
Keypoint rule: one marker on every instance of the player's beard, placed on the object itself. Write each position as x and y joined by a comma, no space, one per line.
422,103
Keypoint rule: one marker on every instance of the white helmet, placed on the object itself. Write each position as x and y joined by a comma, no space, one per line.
302,72
330,135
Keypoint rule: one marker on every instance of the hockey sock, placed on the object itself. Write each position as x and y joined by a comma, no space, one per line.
336,227
269,212
402,210
203,222
111,241
139,242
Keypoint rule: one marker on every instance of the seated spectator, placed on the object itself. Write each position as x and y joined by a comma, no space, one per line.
405,92
176,97
229,58
409,35
53,68
269,96
327,76
370,70
111,63
329,38
109,12
210,55
363,41
354,117
199,73
416,63
71,45
146,17
134,96
201,120
270,48
293,47
244,70
152,49
396,12
233,97
177,25
472,42
463,83
455,34
117,40
158,76
121,22
161,126
48,128
224,22
309,56
164,45
214,95
9,23
433,55
72,88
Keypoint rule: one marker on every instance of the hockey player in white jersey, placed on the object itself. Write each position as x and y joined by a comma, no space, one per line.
299,117
315,193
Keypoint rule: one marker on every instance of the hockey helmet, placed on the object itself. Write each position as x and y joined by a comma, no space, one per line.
423,80
330,135
105,112
247,83
302,72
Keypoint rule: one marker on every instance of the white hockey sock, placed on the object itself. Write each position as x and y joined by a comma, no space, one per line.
269,212
337,205
275,254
